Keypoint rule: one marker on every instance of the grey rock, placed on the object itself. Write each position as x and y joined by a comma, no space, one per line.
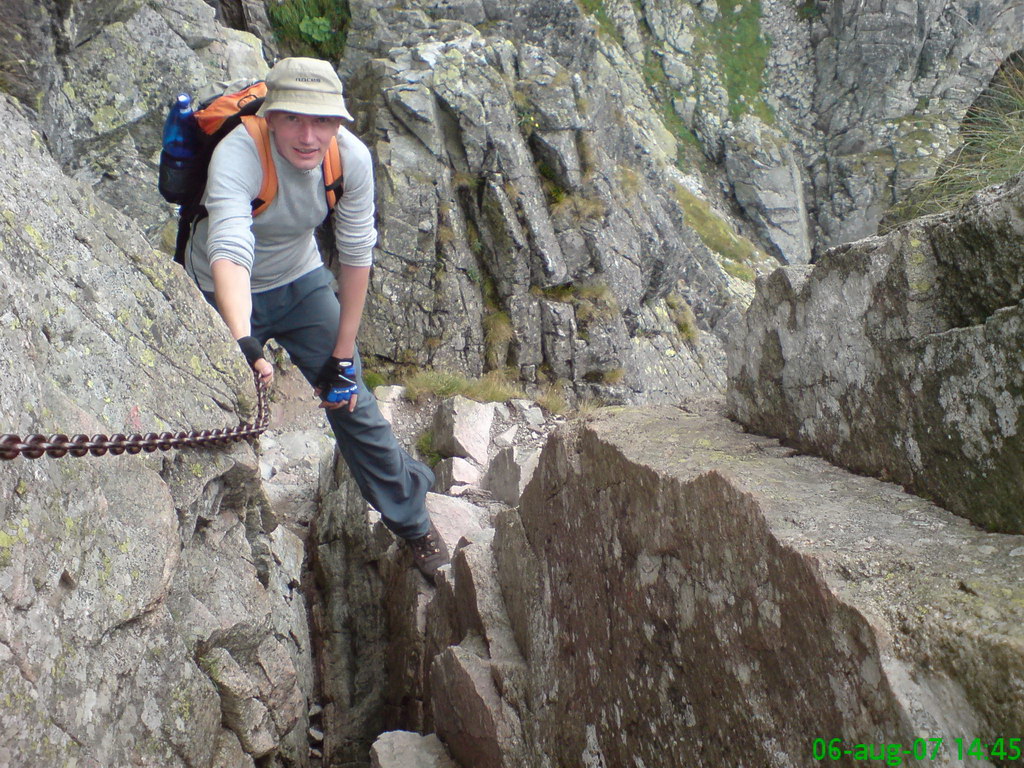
634,503
509,472
529,412
462,427
767,183
403,749
506,438
229,753
454,474
244,714
914,373
104,111
455,518
136,565
477,726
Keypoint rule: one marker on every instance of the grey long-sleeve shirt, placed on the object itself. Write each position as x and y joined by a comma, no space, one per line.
278,246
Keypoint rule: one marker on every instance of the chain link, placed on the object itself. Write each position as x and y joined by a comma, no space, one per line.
56,446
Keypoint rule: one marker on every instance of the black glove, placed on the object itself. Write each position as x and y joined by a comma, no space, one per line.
251,348
337,380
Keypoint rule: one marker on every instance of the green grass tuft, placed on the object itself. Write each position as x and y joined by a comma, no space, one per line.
742,51
498,332
683,317
552,398
372,379
425,448
604,21
716,233
316,28
992,151
494,386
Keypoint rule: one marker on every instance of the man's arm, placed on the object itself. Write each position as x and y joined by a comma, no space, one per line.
354,236
234,302
352,285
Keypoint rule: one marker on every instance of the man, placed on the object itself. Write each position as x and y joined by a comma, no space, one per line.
266,278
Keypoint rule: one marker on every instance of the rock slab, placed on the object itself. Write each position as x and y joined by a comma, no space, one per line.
900,357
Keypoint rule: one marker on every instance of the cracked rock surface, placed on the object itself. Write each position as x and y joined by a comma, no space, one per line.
144,618
900,356
670,591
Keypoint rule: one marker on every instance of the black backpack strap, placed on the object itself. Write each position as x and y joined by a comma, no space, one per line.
188,217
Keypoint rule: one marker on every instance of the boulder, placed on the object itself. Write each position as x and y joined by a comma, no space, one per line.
667,577
402,749
766,180
118,573
900,357
509,472
462,427
454,475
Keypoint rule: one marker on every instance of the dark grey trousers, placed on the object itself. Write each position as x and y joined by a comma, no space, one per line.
302,317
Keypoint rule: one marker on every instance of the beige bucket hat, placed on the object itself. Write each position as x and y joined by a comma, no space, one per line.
305,86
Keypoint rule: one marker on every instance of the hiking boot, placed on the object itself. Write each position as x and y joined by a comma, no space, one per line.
429,553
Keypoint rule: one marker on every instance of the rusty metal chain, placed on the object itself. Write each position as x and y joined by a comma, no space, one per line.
56,446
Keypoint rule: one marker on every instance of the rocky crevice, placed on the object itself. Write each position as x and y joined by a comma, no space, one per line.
576,628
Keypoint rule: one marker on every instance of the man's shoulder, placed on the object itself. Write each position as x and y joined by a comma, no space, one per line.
353,150
238,144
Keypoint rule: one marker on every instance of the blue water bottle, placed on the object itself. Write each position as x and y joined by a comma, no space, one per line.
177,159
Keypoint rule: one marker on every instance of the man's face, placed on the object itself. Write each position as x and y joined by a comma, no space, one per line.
302,139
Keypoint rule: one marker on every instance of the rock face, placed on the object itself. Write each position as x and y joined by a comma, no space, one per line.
767,183
147,614
522,189
532,192
671,591
867,95
896,77
374,612
901,357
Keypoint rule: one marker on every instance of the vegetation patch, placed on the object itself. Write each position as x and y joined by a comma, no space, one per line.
316,28
742,53
587,407
552,398
683,317
613,376
593,301
628,180
372,379
494,386
810,9
577,209
549,182
740,271
604,21
463,180
498,332
687,144
992,151
425,448
715,232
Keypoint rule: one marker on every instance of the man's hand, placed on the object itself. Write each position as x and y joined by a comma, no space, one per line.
253,351
336,385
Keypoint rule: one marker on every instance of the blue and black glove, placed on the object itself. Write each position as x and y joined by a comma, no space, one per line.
337,380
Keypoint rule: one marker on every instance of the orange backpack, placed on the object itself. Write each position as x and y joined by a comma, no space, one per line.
215,118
